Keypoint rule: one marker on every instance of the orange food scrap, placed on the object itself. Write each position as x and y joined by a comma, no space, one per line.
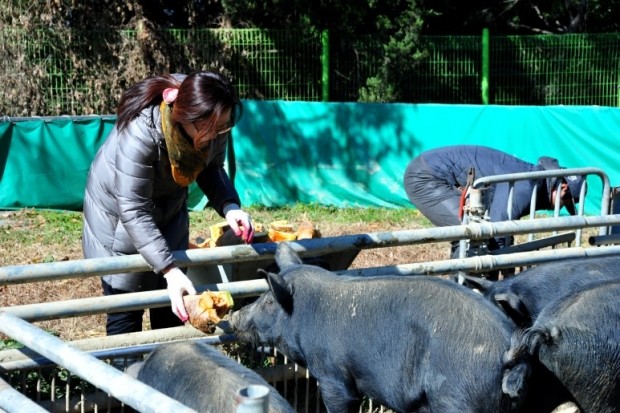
207,309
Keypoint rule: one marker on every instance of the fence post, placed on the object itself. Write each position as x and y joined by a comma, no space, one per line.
325,65
253,399
485,67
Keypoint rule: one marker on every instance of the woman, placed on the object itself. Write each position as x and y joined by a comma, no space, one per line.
171,130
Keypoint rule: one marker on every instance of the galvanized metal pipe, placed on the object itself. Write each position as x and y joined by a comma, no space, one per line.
125,388
604,239
311,247
537,175
447,266
483,263
606,192
116,346
533,202
159,298
121,341
537,244
253,399
12,401
123,302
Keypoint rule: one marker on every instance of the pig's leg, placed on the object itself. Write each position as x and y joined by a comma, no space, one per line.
339,399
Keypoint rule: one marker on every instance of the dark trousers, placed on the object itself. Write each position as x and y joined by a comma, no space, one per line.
433,196
131,321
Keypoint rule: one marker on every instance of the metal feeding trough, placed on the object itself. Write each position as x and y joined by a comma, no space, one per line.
243,271
248,270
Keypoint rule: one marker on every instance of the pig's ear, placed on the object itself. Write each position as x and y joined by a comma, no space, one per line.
286,256
478,283
281,290
512,305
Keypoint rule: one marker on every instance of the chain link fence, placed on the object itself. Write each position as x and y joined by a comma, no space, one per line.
70,72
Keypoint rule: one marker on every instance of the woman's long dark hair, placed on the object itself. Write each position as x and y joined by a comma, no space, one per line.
202,95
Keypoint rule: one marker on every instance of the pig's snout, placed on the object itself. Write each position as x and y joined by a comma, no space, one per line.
234,320
243,328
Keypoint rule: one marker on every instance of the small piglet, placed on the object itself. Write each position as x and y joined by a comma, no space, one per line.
413,344
201,377
578,339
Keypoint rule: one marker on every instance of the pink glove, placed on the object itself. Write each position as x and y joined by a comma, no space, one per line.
240,222
178,284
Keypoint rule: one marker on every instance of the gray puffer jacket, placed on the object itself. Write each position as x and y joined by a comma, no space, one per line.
133,205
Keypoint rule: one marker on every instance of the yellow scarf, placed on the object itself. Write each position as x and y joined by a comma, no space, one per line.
185,161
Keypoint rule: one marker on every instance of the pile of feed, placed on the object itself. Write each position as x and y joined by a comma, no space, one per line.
276,231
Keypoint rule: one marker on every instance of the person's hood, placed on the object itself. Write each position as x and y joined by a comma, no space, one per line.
575,182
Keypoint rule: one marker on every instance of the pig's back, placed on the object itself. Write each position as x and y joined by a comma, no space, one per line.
578,340
202,377
544,284
442,303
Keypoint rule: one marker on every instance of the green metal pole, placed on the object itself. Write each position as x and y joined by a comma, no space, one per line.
485,67
325,65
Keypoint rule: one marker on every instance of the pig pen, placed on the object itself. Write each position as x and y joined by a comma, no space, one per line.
51,375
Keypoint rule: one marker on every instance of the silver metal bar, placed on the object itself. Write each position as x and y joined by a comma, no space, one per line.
115,346
12,401
123,302
159,298
252,399
604,239
311,247
511,178
533,200
125,388
537,244
511,190
557,201
484,263
606,193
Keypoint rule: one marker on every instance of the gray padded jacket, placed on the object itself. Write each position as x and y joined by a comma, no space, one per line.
133,205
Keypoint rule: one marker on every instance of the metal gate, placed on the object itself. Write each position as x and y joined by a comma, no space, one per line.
51,375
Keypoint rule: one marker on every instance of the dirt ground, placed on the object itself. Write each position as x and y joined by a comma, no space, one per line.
94,326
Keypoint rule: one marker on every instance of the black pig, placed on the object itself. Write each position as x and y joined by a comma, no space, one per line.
524,295
578,339
201,377
413,344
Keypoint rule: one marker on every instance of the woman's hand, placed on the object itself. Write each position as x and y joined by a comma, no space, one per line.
178,284
240,222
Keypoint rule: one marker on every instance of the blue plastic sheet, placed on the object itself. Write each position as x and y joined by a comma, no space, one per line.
337,154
